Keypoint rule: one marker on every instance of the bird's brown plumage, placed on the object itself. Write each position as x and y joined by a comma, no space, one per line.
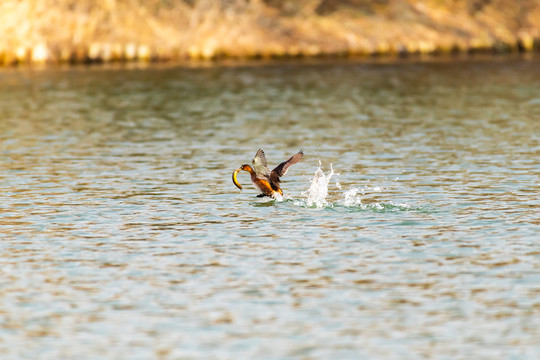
262,178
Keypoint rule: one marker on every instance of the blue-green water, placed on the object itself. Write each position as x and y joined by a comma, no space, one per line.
417,236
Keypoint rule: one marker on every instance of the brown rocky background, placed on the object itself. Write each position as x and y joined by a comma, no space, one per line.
125,30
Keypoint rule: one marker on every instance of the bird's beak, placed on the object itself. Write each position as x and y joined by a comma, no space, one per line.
234,180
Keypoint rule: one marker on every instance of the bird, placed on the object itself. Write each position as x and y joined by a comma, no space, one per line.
264,180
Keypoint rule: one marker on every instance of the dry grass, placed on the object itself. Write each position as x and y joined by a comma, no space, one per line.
119,30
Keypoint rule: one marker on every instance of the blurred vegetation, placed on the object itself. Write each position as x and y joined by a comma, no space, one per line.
120,30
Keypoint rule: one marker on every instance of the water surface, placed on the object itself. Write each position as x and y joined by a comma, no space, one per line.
409,230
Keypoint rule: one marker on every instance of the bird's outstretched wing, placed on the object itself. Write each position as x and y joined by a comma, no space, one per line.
260,165
282,168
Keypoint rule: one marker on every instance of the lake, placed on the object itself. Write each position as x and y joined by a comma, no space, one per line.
409,230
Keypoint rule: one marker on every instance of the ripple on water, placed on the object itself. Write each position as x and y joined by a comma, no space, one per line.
122,235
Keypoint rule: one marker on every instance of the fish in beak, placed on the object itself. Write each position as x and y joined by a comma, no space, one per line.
235,180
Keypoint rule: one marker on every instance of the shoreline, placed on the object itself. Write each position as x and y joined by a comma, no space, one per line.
380,60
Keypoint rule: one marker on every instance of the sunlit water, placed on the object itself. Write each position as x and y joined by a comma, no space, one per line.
410,230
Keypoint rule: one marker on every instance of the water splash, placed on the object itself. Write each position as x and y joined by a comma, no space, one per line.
318,189
270,200
318,193
350,198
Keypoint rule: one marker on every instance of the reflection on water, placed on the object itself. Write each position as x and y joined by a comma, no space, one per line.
416,236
